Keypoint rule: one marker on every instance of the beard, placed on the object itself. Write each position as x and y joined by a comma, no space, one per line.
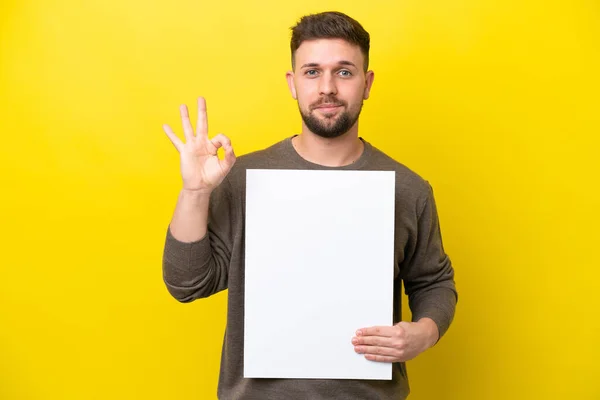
330,126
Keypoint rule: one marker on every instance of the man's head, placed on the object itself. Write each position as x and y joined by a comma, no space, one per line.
329,77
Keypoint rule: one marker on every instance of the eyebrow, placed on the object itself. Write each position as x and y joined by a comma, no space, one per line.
341,62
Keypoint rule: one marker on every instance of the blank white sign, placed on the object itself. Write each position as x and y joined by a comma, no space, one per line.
319,266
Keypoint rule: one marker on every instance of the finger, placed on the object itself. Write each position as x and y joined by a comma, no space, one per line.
185,121
385,331
372,341
377,350
173,137
387,359
223,141
202,124
229,159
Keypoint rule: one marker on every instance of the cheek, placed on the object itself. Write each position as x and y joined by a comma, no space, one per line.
359,96
306,96
352,94
301,99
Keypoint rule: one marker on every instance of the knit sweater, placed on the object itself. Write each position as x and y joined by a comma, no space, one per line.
216,262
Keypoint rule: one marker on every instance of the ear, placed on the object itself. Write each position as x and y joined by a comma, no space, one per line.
369,78
290,81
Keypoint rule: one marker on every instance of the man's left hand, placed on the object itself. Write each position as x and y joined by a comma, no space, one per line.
401,342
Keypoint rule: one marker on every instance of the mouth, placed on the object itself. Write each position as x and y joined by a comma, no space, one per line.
328,107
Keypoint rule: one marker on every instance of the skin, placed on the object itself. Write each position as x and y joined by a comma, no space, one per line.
401,342
329,71
326,71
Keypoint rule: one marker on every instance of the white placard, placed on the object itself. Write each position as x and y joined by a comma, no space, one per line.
319,266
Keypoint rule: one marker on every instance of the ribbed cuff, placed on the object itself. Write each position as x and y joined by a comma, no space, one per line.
439,304
185,255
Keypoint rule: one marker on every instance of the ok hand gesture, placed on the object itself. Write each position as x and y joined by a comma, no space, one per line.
201,168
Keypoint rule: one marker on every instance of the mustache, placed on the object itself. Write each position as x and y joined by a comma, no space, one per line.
327,100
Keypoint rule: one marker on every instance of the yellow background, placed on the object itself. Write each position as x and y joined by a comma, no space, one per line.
495,103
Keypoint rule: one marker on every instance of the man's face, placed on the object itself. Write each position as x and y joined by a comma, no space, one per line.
330,85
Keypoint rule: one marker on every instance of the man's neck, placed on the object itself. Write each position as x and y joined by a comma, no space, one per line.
337,152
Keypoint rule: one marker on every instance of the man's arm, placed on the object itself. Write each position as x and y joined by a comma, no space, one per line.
198,245
428,274
190,218
198,242
429,281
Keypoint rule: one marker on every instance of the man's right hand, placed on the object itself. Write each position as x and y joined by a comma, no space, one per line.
201,169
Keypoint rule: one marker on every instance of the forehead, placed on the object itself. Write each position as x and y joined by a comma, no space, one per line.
328,51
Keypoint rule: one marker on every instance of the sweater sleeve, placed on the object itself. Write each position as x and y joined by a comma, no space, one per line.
193,270
428,274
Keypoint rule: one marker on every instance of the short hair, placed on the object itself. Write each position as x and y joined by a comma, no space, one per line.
330,25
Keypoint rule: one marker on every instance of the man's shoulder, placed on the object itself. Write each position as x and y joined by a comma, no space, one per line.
266,158
407,179
263,157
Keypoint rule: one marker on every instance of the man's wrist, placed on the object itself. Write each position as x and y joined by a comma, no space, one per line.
431,329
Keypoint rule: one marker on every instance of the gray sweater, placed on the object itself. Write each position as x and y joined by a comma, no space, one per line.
216,262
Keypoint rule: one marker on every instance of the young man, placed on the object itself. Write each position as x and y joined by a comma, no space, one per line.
204,249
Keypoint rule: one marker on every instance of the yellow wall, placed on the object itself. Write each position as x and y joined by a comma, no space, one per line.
495,103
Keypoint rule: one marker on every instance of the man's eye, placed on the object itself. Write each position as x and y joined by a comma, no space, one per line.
311,72
345,73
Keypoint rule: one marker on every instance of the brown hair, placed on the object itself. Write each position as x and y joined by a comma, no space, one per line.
330,25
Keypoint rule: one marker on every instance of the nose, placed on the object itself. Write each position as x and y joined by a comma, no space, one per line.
327,84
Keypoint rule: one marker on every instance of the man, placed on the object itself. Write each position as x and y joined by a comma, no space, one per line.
204,249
